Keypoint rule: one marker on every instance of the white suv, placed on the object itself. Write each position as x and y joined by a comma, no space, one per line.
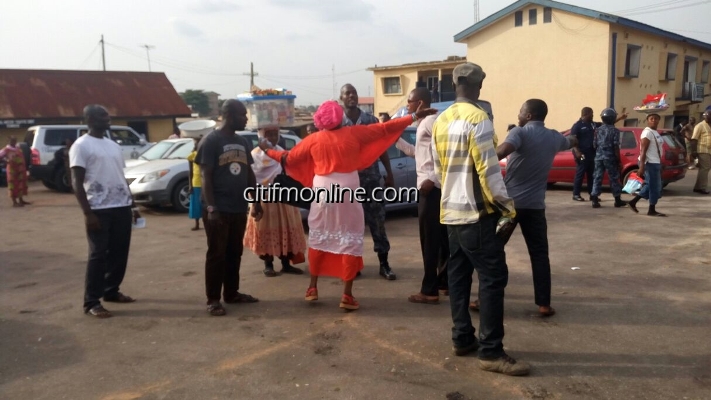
46,140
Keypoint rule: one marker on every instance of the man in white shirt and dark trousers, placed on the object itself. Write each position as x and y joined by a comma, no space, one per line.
433,235
532,148
105,199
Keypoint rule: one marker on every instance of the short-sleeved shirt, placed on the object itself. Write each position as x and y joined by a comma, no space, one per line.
230,157
655,145
196,179
364,119
607,139
528,167
702,133
104,181
585,132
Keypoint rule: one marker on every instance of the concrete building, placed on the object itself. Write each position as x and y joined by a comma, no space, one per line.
214,100
145,101
394,83
573,57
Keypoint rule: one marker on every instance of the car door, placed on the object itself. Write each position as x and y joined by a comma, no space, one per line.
564,166
131,144
55,139
629,149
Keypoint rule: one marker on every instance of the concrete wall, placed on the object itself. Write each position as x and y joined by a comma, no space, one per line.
629,92
564,62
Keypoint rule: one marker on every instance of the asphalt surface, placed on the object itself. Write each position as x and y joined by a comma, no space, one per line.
633,319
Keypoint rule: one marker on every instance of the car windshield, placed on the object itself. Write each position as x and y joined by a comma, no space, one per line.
156,151
182,151
669,139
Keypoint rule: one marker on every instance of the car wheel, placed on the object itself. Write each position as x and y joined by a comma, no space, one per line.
49,184
61,181
180,198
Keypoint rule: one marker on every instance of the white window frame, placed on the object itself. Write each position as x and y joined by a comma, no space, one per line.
385,85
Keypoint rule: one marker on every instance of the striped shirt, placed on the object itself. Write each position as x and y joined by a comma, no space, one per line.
464,147
702,133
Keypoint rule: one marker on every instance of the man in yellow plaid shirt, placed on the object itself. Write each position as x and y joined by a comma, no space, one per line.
474,198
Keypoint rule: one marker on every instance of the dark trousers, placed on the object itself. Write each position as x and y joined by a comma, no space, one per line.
585,169
224,254
434,243
374,214
108,255
476,247
535,232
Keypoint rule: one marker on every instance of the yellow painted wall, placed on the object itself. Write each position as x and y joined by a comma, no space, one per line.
408,79
630,91
564,62
390,103
159,129
5,134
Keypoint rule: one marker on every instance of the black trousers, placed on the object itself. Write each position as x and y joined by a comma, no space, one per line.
476,247
434,243
224,254
108,255
585,170
535,232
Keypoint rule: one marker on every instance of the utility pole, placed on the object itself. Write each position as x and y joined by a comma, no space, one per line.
103,57
251,75
476,11
148,54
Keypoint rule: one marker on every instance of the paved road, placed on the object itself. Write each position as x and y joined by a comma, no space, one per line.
633,322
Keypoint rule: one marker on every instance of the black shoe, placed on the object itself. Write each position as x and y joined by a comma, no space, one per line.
463,351
387,273
595,202
701,191
385,270
620,203
578,198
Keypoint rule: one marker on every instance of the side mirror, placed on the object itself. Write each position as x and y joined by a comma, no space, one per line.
142,141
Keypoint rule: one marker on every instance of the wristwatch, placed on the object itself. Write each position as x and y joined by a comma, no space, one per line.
211,209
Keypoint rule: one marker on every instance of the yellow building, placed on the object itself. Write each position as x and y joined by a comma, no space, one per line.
394,83
573,57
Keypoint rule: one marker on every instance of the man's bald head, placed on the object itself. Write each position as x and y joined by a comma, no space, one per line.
349,96
234,115
97,118
418,97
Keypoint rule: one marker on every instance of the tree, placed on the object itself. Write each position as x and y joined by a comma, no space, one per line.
197,99
220,102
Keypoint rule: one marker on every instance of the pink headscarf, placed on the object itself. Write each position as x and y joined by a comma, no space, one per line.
328,116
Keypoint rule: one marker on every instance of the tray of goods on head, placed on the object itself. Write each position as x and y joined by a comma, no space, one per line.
268,107
653,103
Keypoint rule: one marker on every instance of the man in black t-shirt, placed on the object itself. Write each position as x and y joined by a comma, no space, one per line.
225,160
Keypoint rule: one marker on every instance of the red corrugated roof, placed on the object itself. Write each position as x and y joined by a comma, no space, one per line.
366,100
50,94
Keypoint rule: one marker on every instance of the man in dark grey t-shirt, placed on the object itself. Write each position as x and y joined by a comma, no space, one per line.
225,160
531,148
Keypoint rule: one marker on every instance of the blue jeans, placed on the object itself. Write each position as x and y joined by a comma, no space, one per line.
476,247
652,189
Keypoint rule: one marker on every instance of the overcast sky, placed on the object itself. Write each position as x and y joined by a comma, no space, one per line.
208,44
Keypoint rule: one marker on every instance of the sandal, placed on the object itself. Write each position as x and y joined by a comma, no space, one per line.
216,309
291,270
269,272
422,299
546,311
120,298
99,312
474,305
241,298
349,303
311,294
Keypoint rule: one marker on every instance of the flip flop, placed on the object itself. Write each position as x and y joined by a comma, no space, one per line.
474,305
292,270
242,298
120,298
99,312
216,310
422,299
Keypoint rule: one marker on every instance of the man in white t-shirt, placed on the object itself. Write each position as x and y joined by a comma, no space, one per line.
105,199
650,167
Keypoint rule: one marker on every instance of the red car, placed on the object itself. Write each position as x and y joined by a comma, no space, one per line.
673,158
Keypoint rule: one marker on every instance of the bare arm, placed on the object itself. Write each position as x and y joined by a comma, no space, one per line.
190,176
78,175
643,157
405,147
207,184
504,150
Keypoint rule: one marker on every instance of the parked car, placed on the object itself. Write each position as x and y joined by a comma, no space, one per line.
162,149
46,140
165,180
673,158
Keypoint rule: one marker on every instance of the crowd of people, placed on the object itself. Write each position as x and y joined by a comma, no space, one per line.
467,208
